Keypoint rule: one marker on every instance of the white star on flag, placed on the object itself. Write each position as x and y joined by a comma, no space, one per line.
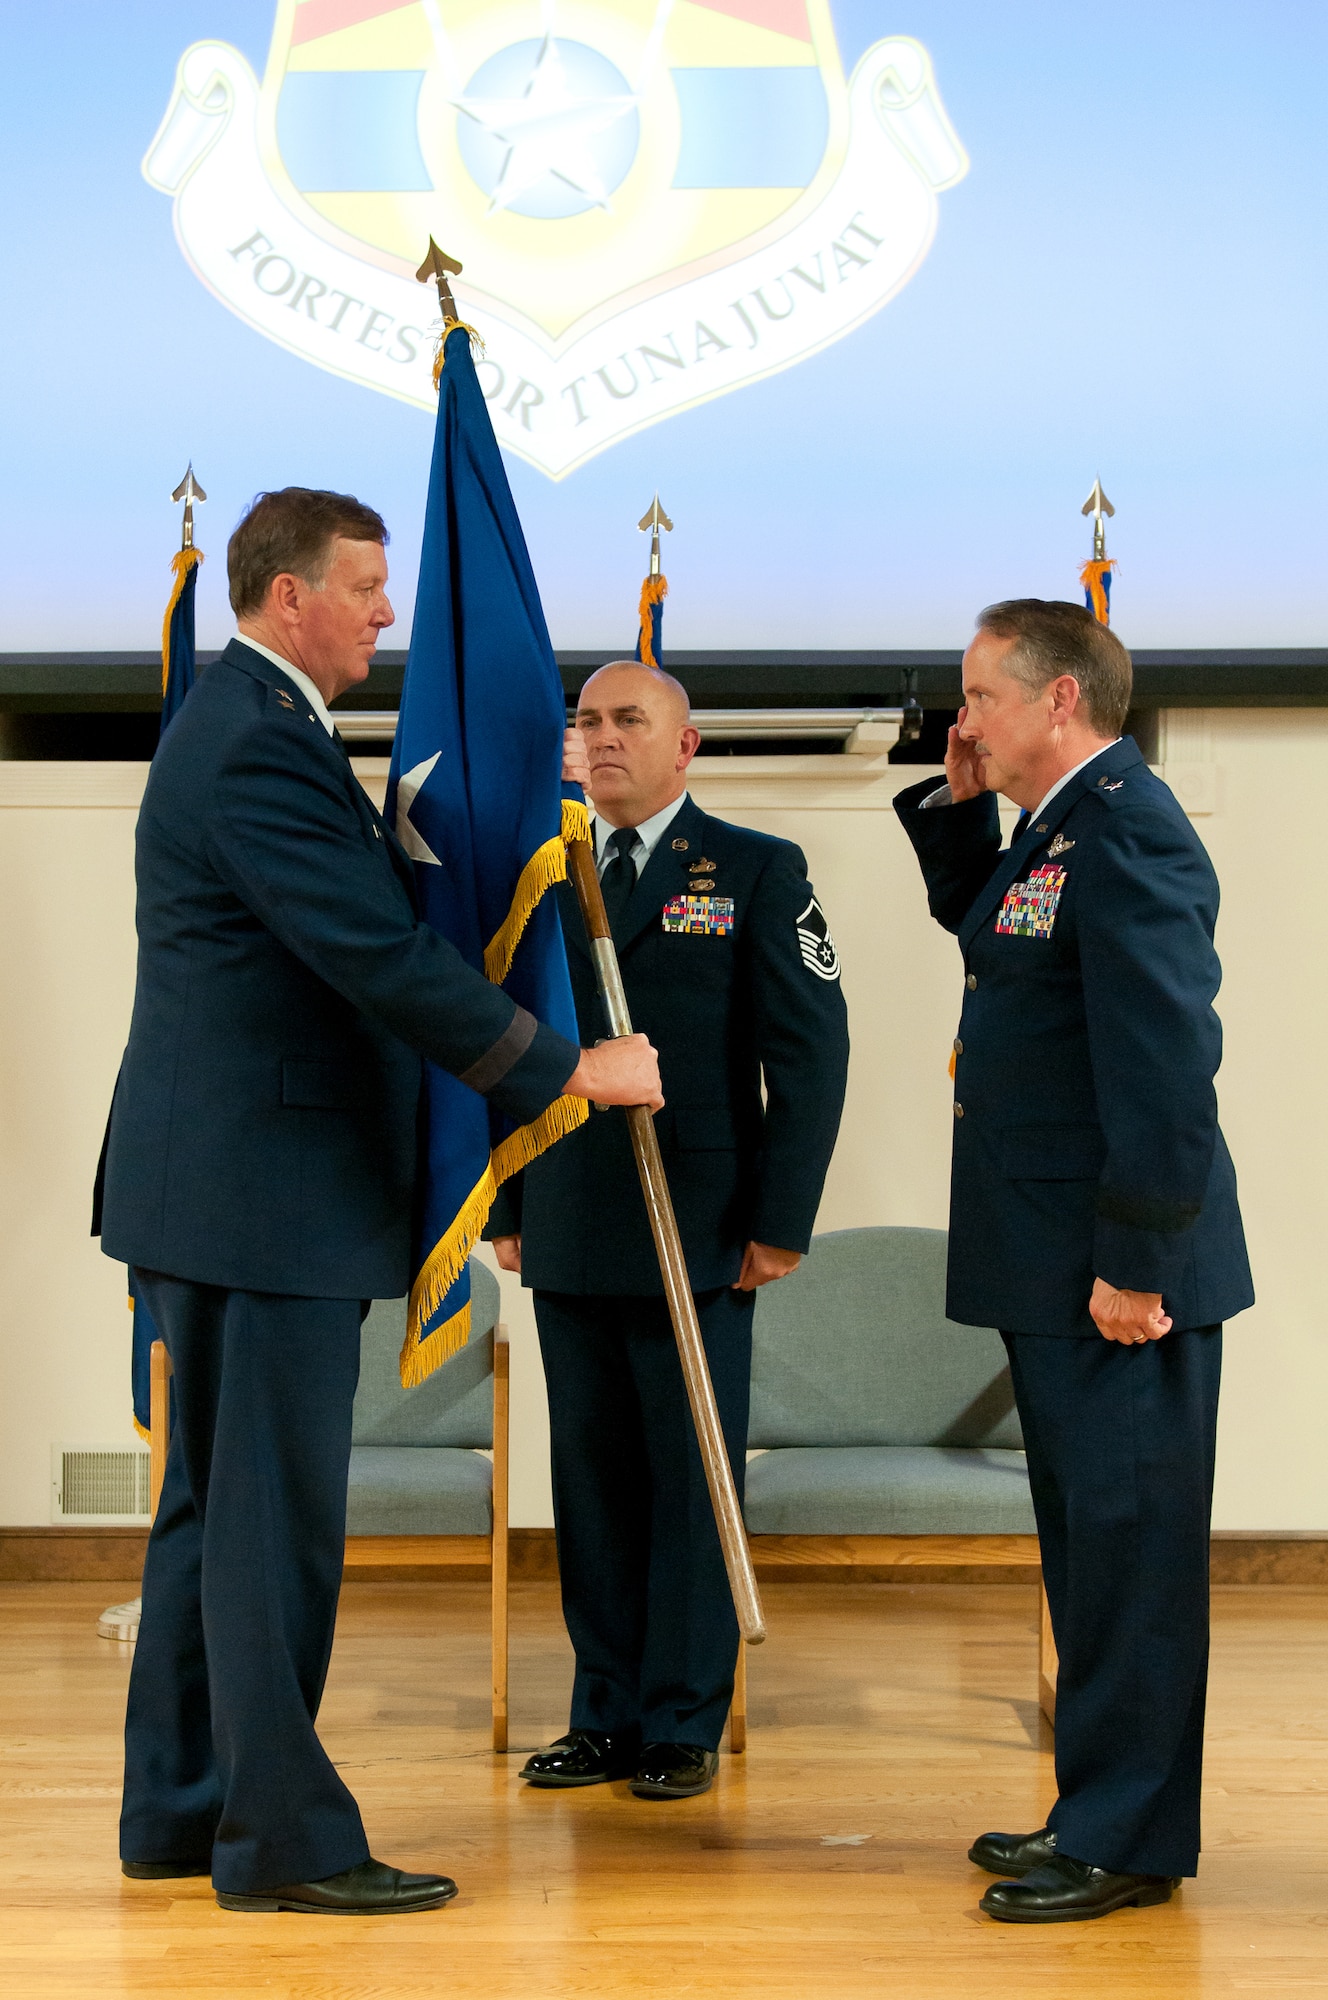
409,785
546,131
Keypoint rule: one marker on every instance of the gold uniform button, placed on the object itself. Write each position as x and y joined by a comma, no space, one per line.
959,1111
972,982
958,1047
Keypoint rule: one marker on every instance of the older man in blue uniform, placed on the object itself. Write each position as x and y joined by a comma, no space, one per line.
730,968
259,1175
1094,1220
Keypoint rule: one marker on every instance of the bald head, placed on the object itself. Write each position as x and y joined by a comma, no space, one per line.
635,723
628,679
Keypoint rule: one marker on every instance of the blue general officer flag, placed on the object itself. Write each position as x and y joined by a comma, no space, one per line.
178,666
477,800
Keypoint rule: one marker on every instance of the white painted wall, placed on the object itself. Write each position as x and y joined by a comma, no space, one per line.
66,980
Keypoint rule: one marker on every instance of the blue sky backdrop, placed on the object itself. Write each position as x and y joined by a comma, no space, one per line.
1130,281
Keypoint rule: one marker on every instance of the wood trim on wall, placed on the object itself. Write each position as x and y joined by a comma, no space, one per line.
1296,1560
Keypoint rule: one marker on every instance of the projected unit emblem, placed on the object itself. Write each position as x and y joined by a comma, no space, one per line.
655,201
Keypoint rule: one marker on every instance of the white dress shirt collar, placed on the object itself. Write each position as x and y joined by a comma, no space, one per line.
648,834
302,681
1082,765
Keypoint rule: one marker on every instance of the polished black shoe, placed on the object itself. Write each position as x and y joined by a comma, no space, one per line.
674,1771
164,1871
370,1889
1013,1853
584,1757
1062,1891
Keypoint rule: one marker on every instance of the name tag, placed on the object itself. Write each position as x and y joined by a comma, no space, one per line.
700,916
1029,909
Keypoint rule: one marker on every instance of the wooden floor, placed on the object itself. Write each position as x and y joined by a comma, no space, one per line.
889,1725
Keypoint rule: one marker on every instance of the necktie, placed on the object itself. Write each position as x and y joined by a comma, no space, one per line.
619,878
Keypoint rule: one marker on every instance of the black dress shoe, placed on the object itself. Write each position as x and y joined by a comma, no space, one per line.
370,1889
1062,1891
584,1757
674,1771
1013,1853
164,1871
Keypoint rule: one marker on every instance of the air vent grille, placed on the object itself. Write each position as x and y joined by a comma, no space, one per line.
93,1485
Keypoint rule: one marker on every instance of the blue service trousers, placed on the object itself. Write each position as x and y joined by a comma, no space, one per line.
645,1593
240,1588
1120,1444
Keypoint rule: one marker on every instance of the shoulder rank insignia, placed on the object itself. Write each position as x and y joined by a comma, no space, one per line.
1029,909
1110,784
699,916
284,699
1060,845
815,942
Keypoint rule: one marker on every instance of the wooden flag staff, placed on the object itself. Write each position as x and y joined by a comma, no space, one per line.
672,1263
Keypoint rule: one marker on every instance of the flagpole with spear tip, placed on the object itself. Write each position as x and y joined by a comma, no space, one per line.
655,588
650,1165
1095,574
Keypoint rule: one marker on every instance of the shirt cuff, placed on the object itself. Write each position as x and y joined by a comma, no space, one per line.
942,796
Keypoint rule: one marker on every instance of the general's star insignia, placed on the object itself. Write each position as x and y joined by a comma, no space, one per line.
409,785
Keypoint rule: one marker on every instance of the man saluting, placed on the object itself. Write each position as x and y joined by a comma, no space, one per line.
1093,1218
730,968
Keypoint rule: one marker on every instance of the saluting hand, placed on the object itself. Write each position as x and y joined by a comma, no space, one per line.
1129,1317
963,765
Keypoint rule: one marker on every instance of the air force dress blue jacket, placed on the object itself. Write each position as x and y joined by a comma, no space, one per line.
263,1134
730,969
1086,1141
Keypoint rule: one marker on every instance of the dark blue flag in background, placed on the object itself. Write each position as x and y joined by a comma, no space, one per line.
477,799
178,662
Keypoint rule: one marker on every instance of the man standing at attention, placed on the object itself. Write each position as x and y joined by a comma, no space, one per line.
1093,1219
729,966
259,1176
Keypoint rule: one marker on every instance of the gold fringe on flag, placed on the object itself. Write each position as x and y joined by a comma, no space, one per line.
653,591
1091,576
576,820
421,1353
547,865
181,563
440,352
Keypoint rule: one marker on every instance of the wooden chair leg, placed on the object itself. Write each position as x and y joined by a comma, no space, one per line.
502,1379
159,1416
1048,1663
738,1707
